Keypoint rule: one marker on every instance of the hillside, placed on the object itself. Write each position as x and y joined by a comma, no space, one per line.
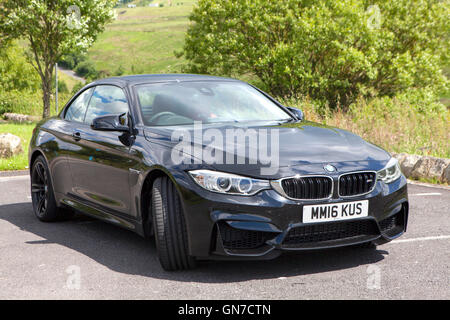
143,39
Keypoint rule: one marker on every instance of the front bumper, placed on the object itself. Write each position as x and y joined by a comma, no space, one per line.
264,225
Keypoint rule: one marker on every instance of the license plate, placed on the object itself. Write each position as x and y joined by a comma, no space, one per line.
335,211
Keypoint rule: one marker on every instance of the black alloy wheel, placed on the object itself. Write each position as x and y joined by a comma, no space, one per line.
42,196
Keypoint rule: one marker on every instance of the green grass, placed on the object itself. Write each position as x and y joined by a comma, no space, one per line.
143,39
432,181
24,132
70,82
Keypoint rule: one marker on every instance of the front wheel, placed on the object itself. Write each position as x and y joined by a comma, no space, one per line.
170,227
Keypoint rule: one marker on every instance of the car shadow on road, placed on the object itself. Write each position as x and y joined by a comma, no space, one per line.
125,252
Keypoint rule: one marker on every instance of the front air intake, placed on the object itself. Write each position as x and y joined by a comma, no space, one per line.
354,184
308,188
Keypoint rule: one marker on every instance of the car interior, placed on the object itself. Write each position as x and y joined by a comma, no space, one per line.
166,110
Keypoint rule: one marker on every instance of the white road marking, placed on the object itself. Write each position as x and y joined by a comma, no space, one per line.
428,185
14,178
426,194
421,239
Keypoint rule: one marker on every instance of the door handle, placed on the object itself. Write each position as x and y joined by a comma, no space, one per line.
76,136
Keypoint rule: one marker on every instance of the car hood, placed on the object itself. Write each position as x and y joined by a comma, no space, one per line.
303,148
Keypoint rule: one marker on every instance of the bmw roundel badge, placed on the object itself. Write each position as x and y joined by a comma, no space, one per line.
330,168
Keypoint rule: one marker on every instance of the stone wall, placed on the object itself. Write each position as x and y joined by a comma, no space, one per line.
415,167
15,117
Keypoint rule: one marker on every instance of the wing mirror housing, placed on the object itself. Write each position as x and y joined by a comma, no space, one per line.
112,122
297,113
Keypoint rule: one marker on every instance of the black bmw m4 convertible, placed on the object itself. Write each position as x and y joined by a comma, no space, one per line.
212,168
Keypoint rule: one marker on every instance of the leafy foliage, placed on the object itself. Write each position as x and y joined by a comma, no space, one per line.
332,51
71,60
15,71
86,69
411,121
53,28
62,87
18,81
18,101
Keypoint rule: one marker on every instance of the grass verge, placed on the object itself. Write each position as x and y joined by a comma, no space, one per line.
24,132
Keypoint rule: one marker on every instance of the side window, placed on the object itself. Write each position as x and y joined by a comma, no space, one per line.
106,100
77,109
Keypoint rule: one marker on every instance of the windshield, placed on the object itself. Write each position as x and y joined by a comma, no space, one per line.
168,104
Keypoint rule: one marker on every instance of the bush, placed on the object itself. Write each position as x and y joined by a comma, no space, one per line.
62,87
120,71
332,51
19,82
16,73
67,62
86,69
28,102
72,60
23,102
407,122
103,74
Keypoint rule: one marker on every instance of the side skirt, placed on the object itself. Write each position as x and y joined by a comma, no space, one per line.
103,214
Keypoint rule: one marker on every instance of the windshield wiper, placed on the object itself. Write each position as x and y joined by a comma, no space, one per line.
289,120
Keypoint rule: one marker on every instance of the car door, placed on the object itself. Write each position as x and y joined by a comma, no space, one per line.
62,130
100,168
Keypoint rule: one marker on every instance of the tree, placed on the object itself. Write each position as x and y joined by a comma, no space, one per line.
332,51
52,29
16,73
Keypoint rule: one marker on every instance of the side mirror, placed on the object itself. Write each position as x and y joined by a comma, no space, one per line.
112,122
297,112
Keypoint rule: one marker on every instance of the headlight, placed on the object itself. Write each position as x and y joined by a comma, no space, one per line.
391,172
228,183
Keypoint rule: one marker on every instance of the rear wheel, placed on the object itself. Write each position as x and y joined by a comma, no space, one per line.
42,196
170,227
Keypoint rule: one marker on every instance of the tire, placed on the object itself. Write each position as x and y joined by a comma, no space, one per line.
42,196
170,227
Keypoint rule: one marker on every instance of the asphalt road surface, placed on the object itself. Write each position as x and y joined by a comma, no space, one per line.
89,259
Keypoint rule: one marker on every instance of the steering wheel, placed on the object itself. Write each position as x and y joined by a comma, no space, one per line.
156,117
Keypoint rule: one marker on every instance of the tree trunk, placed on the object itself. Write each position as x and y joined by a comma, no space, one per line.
46,93
45,69
46,100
